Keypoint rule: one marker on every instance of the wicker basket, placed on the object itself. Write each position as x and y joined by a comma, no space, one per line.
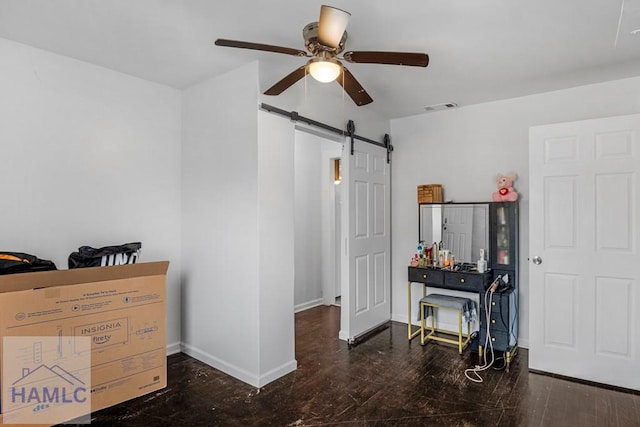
430,193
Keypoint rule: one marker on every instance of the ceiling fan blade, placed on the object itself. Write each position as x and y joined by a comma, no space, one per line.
287,81
331,26
392,58
353,88
261,46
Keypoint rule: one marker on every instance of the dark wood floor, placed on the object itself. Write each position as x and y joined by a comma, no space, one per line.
385,381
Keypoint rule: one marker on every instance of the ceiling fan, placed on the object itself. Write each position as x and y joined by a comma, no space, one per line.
325,41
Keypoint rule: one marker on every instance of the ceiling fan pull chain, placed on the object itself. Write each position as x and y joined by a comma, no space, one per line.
351,129
344,113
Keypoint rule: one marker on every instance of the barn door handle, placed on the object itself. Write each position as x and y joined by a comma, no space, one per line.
537,260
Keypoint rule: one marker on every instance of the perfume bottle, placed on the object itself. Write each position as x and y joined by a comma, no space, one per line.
482,262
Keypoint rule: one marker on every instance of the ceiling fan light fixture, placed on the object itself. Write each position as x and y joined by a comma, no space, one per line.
324,70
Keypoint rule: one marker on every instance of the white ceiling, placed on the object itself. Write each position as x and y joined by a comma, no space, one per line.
480,50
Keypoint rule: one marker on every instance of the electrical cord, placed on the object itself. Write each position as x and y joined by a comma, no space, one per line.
473,374
501,367
510,326
515,317
502,312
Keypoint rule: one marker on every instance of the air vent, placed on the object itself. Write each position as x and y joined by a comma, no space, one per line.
443,106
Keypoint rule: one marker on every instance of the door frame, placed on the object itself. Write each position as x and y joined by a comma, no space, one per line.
325,249
330,242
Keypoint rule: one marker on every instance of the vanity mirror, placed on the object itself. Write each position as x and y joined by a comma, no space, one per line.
463,228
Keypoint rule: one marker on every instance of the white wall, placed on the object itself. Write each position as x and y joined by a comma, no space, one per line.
237,188
308,210
276,235
220,223
463,149
312,215
89,157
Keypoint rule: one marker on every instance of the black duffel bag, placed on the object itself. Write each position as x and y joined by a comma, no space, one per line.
18,262
88,256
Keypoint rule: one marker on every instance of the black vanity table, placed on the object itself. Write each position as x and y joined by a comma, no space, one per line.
467,229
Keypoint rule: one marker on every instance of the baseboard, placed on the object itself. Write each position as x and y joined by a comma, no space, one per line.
237,372
221,365
278,372
173,348
307,305
402,318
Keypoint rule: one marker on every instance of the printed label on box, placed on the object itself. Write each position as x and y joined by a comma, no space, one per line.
105,333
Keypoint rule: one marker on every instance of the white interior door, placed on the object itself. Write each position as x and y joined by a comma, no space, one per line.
457,231
584,230
366,274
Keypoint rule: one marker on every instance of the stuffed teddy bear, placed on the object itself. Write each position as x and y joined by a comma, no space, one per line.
505,192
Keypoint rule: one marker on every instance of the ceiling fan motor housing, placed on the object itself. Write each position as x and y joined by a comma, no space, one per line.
310,35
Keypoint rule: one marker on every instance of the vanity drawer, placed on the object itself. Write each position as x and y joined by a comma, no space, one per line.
497,321
426,275
499,340
464,281
499,303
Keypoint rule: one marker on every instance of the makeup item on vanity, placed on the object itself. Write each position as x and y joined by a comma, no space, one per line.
482,262
443,258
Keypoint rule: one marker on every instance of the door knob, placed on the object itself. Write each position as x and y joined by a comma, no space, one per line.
537,260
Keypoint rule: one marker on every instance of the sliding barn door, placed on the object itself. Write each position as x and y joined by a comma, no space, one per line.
584,279
366,274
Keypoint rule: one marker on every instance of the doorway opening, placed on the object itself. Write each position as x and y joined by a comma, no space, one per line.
317,204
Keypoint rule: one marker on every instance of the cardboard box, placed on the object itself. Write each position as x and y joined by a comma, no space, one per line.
430,193
118,310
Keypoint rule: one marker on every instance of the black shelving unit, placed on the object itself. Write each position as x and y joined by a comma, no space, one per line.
503,232
503,261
